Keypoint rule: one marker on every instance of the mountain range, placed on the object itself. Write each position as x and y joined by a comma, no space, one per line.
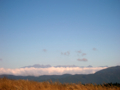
108,75
46,66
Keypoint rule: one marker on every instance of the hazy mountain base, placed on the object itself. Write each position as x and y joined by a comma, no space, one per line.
108,75
7,84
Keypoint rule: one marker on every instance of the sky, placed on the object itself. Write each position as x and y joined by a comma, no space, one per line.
59,32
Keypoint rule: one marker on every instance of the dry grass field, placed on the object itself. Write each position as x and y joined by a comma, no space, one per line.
7,84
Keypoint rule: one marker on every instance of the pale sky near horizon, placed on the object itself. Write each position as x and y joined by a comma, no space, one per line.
59,32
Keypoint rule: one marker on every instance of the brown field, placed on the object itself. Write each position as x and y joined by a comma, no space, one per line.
7,84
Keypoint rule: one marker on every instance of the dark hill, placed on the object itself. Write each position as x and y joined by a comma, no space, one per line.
111,74
109,71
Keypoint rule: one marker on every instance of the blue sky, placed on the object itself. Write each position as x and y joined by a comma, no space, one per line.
53,31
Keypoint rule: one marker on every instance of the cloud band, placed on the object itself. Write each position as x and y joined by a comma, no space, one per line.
50,71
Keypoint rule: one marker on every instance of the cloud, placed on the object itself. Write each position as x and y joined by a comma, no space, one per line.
78,51
44,50
84,59
94,49
83,54
50,71
0,59
65,53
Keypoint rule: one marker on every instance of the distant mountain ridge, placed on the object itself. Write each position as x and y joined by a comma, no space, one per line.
108,75
38,66
47,66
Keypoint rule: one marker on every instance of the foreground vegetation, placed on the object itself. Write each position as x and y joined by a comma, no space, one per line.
8,84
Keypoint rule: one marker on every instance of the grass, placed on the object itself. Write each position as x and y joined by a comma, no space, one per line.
8,84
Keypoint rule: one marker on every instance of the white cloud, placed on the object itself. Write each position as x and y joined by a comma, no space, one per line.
50,71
